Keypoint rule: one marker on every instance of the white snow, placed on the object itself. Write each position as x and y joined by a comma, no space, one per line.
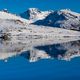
15,26
5,15
17,46
21,31
40,16
71,12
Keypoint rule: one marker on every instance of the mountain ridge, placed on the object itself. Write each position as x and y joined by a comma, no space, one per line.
63,19
15,26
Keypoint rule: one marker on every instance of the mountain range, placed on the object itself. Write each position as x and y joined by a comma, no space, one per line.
32,28
64,18
38,24
12,25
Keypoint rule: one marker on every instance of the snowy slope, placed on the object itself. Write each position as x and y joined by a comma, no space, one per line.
9,16
14,30
63,19
34,14
15,26
24,36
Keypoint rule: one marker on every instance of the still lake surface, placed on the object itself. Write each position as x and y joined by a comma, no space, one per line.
40,60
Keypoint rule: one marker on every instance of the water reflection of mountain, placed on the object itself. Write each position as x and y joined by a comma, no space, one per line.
63,51
33,50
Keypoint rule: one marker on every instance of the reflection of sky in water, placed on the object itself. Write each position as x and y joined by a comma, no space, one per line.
17,66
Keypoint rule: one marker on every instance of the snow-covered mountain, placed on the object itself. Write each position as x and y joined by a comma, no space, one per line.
21,35
64,18
14,26
8,16
34,14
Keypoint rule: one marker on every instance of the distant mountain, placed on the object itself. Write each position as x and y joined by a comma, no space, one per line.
35,14
15,26
18,34
63,19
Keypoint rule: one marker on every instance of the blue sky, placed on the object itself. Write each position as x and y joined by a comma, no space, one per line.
18,6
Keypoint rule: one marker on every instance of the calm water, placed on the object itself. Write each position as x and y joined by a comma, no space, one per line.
40,60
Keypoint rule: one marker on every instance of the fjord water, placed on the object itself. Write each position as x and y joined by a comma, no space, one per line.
54,59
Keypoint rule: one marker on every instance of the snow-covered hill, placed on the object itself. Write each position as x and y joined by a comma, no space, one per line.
21,35
14,26
12,29
34,14
9,16
66,19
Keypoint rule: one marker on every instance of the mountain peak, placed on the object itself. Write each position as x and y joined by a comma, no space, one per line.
31,13
34,10
34,14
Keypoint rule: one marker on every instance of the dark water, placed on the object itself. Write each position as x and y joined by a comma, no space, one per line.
20,61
